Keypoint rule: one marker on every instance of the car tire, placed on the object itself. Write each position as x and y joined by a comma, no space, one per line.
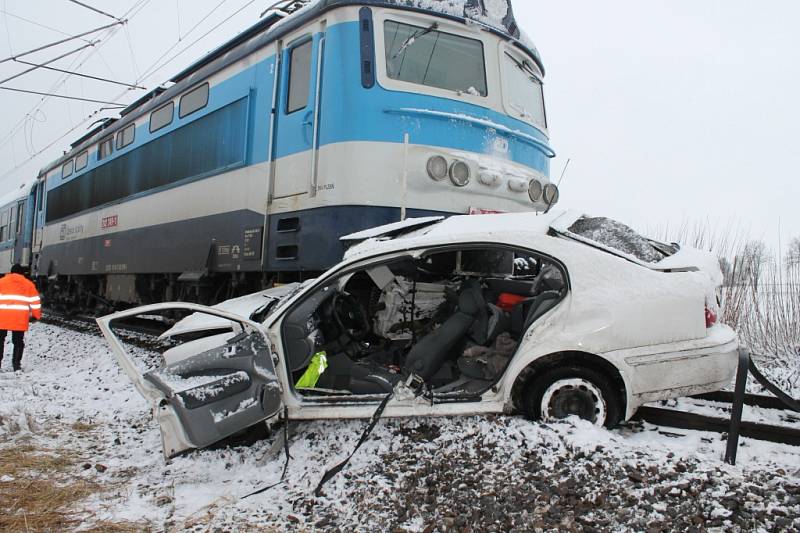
561,392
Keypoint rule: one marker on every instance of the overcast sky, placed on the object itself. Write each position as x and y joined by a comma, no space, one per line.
670,111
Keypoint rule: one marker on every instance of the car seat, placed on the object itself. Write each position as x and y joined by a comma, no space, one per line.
470,319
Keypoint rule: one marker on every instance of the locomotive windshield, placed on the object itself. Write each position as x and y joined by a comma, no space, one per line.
429,57
525,94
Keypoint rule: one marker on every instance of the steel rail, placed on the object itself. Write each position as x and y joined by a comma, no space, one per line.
693,421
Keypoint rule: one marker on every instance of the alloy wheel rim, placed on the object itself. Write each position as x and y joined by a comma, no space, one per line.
574,396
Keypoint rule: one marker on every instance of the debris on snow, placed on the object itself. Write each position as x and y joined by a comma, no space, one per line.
412,474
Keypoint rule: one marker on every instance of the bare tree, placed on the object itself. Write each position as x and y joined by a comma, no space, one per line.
793,254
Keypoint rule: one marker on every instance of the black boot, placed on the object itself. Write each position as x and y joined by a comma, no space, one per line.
17,359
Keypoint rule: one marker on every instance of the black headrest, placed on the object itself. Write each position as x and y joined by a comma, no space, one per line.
471,301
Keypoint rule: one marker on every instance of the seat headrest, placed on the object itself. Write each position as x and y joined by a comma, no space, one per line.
471,301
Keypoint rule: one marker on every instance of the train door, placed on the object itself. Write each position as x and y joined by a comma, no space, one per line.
296,134
20,244
38,222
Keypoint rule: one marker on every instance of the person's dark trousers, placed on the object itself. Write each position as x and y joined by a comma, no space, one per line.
18,338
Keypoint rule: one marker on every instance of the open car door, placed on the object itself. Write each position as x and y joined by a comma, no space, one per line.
221,385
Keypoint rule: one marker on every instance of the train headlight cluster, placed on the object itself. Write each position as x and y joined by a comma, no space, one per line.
459,173
550,194
535,190
437,168
489,178
516,184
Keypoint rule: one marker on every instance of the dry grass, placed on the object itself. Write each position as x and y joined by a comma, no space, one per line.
45,492
117,527
83,427
37,499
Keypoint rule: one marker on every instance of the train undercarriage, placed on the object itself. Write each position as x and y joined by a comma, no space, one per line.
103,294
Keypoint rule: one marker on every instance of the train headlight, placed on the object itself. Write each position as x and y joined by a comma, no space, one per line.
459,173
517,184
535,190
551,194
437,168
489,178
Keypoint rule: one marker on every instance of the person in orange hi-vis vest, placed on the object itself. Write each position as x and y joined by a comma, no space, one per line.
19,300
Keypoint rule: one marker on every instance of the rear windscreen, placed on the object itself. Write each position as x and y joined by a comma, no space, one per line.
618,236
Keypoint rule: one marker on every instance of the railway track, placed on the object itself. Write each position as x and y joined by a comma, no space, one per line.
673,418
140,332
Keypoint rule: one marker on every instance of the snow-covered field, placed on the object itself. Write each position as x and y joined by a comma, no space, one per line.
73,403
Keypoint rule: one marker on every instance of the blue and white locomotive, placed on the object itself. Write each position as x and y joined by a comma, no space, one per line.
324,118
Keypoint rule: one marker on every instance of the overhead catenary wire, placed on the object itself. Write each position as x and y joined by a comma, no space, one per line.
64,96
112,28
39,24
56,140
80,75
91,8
44,65
148,72
229,17
62,41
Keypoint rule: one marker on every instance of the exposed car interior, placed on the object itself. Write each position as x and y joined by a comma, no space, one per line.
451,317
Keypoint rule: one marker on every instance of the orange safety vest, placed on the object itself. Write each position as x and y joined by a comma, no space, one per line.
18,300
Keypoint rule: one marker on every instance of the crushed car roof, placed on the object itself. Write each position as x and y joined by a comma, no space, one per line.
455,228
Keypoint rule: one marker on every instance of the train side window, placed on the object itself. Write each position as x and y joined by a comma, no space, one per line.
66,170
194,100
523,90
105,148
4,226
126,136
81,160
20,217
299,77
162,117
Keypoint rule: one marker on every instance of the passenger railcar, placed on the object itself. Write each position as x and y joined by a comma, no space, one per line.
16,226
324,118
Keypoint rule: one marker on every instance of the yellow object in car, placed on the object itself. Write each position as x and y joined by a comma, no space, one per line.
318,364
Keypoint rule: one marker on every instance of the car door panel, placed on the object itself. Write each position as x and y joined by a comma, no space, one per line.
210,394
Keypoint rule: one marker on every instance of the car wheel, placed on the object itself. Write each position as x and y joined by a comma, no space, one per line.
562,392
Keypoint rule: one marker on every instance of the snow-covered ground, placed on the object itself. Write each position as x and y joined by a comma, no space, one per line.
464,474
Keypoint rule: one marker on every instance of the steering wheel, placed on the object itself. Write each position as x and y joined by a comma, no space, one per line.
350,316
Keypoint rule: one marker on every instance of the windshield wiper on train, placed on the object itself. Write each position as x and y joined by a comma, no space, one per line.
413,38
524,67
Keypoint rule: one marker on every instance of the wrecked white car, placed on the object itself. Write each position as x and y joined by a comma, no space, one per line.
550,316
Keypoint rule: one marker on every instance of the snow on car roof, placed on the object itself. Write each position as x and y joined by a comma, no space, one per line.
388,229
455,228
243,306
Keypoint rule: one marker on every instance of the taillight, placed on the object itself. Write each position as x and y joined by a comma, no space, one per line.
711,317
